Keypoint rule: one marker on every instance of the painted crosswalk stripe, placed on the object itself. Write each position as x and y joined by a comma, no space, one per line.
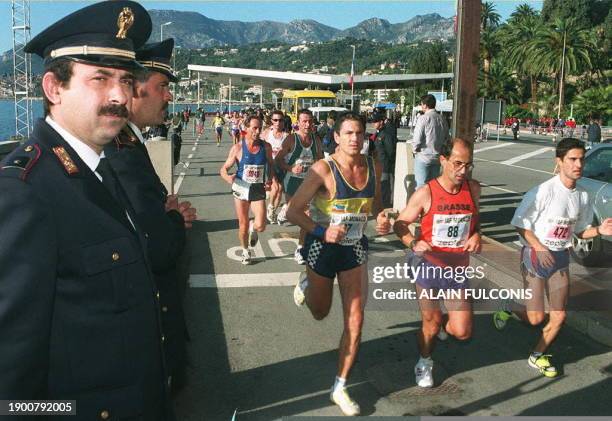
528,155
502,145
243,280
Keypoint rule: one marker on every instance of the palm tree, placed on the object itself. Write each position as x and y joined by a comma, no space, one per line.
489,18
523,12
595,101
488,45
561,49
499,84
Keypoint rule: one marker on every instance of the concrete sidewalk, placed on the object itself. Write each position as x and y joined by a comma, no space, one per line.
591,304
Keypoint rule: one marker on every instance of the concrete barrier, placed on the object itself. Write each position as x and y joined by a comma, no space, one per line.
404,183
160,152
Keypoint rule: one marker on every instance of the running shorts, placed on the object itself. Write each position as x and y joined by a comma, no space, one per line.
291,184
530,263
219,129
431,276
251,192
327,259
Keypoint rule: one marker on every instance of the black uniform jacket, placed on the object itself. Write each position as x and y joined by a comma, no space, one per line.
79,313
165,233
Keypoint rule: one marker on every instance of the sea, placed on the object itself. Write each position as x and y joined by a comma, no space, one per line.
7,116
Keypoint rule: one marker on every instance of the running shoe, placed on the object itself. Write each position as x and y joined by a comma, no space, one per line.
299,292
297,256
270,214
246,257
423,371
281,218
542,364
253,237
341,398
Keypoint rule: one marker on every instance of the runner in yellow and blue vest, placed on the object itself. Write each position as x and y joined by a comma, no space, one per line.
299,152
343,189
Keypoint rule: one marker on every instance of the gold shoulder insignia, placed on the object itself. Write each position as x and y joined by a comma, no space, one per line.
65,159
125,20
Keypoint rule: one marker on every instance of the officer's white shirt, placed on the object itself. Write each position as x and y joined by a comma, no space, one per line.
553,212
136,131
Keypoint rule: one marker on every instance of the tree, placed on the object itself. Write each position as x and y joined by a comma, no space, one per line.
562,38
524,12
489,18
489,44
595,101
579,10
429,58
499,84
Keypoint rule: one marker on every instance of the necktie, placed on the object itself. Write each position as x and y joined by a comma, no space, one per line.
109,179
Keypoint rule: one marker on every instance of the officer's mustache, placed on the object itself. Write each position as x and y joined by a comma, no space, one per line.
114,110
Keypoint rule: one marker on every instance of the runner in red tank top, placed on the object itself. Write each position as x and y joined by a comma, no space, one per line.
448,208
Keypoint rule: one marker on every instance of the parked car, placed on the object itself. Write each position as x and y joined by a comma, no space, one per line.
596,179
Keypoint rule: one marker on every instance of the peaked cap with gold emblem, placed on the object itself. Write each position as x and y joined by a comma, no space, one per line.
104,34
156,57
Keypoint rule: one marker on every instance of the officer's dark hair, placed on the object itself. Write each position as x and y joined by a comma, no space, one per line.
566,144
348,116
429,100
304,111
62,70
447,147
247,120
142,75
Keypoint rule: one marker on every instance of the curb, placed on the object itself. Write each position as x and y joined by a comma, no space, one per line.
588,323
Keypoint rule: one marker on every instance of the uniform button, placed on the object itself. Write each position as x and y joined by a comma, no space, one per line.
157,295
146,235
104,415
165,309
163,338
115,256
28,148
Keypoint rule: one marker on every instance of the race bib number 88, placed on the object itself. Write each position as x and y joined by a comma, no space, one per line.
450,230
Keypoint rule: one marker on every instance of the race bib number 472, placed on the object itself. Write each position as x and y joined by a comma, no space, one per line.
450,230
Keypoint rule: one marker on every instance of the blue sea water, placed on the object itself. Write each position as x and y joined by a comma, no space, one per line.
7,116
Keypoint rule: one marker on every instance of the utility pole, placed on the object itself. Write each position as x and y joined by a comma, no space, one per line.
466,69
22,68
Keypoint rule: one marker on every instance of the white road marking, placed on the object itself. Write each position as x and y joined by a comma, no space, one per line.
515,166
502,145
193,149
500,189
524,156
179,181
242,280
190,156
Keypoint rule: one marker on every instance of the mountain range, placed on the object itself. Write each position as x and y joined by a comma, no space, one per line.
194,30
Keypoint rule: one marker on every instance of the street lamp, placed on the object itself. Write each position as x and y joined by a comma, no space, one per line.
161,30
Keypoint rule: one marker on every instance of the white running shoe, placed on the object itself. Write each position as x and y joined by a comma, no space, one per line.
423,371
281,218
341,398
299,292
297,256
246,257
253,237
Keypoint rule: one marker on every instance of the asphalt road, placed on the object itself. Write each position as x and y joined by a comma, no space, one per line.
252,351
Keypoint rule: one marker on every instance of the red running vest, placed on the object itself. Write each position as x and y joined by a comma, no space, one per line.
449,223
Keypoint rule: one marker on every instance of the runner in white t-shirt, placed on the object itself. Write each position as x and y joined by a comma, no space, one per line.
546,219
275,136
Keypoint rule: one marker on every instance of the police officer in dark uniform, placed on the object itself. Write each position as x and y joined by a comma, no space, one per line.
160,215
79,313
386,140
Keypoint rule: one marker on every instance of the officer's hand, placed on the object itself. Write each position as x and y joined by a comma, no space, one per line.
335,233
189,213
172,202
296,169
383,223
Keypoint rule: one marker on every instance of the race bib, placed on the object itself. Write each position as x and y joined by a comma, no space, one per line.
450,230
558,232
355,223
253,173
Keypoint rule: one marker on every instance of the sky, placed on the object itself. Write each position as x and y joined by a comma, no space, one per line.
338,14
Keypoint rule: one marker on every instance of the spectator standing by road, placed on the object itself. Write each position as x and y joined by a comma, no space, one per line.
593,132
385,142
430,133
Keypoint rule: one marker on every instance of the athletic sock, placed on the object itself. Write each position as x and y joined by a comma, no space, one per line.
339,383
425,361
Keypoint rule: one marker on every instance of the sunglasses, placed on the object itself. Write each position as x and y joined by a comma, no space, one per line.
276,119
